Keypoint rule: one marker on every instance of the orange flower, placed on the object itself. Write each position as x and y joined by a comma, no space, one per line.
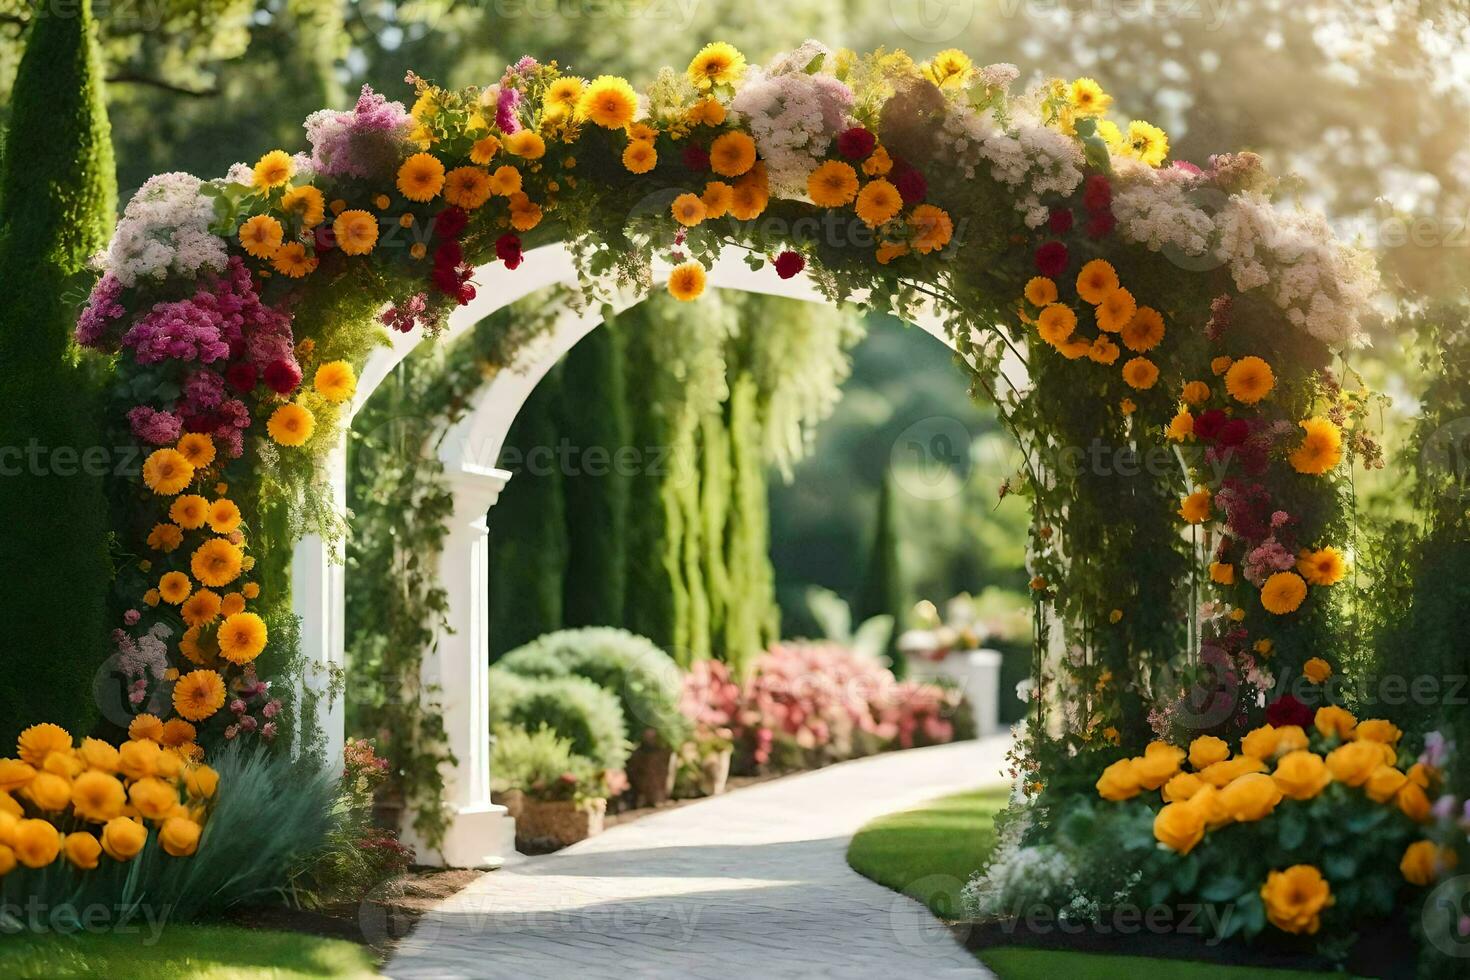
686,282
640,157
1144,331
261,236
199,694
878,203
688,210
732,154
1249,380
505,181
1096,280
305,204
467,187
1116,311
1283,593
717,198
832,185
1140,373
356,232
292,261
933,228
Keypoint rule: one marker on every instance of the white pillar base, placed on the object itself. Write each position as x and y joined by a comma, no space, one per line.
482,836
977,674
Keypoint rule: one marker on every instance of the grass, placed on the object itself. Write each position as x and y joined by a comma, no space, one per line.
1014,963
181,952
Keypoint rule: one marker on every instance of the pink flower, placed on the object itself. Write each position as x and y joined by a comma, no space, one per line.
131,617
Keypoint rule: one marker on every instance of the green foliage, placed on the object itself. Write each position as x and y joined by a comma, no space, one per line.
542,765
645,680
883,592
573,707
751,614
55,211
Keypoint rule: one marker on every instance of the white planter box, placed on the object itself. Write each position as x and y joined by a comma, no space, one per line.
976,673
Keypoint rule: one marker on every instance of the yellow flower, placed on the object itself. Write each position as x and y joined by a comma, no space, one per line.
688,210
1158,764
82,850
1195,508
1317,670
1196,393
242,637
889,251
153,798
1385,783
484,150
356,232
261,236
292,261
1139,373
1250,797
1181,786
524,214
717,63
232,603
1353,763
1144,329
1332,720
49,791
950,69
1181,427
96,754
706,112
1222,573
1414,802
878,163
505,181
1424,861
1325,566
878,203
833,184
933,228
123,838
176,732
216,562
1283,593
732,154
201,782
1295,898
15,774
291,425
272,170
1206,750
36,843
1208,803
179,836
1103,350
608,101
145,726
199,694
563,94
1056,323
201,609
1097,279
166,472
174,587
224,517
1378,730
1179,827
251,590
305,204
640,157
686,282
335,381
189,511
1249,380
421,176
1301,775
1087,98
1321,448
1118,309
526,144
97,797
1041,291
1221,774
197,448
1118,781
751,194
1146,142
165,537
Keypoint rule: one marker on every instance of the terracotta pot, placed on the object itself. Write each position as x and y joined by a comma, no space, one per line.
651,775
559,822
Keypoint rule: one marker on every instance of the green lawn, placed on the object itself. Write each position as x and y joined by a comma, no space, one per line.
184,953
1013,963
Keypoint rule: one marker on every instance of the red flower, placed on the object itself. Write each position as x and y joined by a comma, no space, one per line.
451,222
448,255
465,294
1097,193
1287,710
242,376
911,184
1100,225
696,158
282,376
1234,432
1051,259
1060,221
508,250
856,143
1209,423
789,264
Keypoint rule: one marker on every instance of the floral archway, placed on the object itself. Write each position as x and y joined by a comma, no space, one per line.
1185,422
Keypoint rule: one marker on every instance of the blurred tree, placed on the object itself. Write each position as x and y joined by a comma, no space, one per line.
883,592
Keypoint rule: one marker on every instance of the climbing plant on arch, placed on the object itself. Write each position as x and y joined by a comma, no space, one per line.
1159,335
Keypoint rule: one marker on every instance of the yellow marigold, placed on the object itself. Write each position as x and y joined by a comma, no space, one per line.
199,609
1179,827
688,210
216,562
1320,450
1140,373
1219,365
933,228
1283,593
356,232
1301,775
146,727
174,587
525,143
749,197
1250,797
123,838
224,516
1103,350
1144,330
242,637
179,836
166,472
305,204
505,181
1041,291
1075,349
949,69
39,741
1116,310
97,754
201,782
878,203
524,213
151,597
1378,730
484,150
199,694
291,425
261,236
1206,750
608,101
732,154
421,177
1056,323
177,731
165,537
706,112
189,511
717,63
197,448
232,603
564,93
1424,861
1180,787
82,850
878,163
251,590
1158,764
686,282
153,798
1222,573
1249,380
1295,898
639,157
272,170
36,843
1354,762
1181,427
293,261
1384,785
97,797
889,251
1096,280
1196,393
1146,142
1331,720
1087,97
1118,781
1195,508
832,185
1325,566
335,381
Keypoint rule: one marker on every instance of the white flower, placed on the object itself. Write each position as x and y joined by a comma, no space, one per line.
164,230
793,116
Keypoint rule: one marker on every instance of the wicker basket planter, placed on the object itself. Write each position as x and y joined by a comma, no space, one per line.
558,822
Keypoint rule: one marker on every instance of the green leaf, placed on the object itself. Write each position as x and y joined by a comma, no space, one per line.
1291,830
1095,150
1186,875
815,65
1223,889
1339,865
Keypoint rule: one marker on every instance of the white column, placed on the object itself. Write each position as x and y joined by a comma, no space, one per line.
318,598
480,833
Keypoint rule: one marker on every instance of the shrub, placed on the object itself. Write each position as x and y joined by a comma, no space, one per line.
645,679
573,707
542,765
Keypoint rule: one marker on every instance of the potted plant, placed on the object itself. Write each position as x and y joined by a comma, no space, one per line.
703,763
556,797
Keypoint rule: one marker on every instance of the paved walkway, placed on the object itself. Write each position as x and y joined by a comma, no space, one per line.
750,884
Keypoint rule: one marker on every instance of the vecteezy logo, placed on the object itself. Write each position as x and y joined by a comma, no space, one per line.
931,458
1446,458
1446,917
932,20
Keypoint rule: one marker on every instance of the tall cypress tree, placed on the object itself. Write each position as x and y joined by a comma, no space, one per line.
751,613
882,592
685,489
594,421
528,534
714,511
58,197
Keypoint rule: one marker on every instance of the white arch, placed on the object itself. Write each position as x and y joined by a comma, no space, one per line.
480,833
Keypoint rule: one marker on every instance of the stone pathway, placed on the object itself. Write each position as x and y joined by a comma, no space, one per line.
751,884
